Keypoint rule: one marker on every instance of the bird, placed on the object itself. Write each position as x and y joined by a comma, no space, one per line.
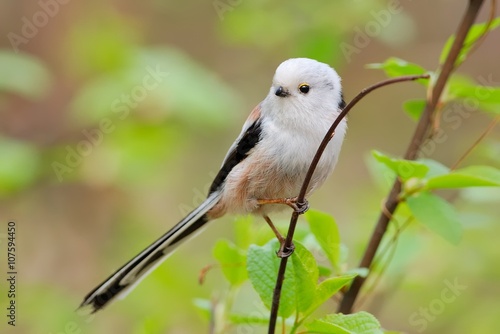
263,169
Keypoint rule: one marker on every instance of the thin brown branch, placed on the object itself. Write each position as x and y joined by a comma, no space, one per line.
417,140
488,129
307,180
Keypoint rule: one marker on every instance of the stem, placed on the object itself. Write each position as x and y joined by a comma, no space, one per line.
307,180
412,151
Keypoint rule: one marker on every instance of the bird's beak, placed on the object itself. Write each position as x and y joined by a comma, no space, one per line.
281,92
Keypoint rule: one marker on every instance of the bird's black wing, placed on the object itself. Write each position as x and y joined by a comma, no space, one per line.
238,152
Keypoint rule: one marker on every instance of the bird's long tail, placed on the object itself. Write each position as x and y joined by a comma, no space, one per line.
127,277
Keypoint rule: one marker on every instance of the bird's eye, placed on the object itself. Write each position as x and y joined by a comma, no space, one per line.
304,88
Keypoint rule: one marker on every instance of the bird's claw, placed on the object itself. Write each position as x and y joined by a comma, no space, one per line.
299,207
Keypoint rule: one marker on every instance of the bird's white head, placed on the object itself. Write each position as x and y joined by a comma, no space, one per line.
305,93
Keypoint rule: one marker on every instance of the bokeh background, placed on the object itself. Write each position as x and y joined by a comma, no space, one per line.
115,115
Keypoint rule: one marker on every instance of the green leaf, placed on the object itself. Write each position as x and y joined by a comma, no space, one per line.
232,261
325,230
473,176
306,277
395,67
414,108
357,323
437,214
320,326
23,74
301,276
380,173
487,98
404,168
324,271
475,32
330,286
262,266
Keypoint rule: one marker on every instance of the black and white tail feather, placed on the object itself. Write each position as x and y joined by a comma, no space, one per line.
127,277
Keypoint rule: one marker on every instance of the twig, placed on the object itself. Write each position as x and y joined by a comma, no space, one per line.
411,153
390,249
490,128
307,180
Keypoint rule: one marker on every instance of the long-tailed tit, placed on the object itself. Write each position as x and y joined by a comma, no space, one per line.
263,169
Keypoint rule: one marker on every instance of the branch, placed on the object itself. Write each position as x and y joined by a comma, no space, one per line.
419,136
307,180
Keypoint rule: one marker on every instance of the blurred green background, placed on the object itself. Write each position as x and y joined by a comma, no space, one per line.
115,116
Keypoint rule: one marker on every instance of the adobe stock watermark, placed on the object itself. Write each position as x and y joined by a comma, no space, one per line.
31,26
364,35
420,319
223,6
120,108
